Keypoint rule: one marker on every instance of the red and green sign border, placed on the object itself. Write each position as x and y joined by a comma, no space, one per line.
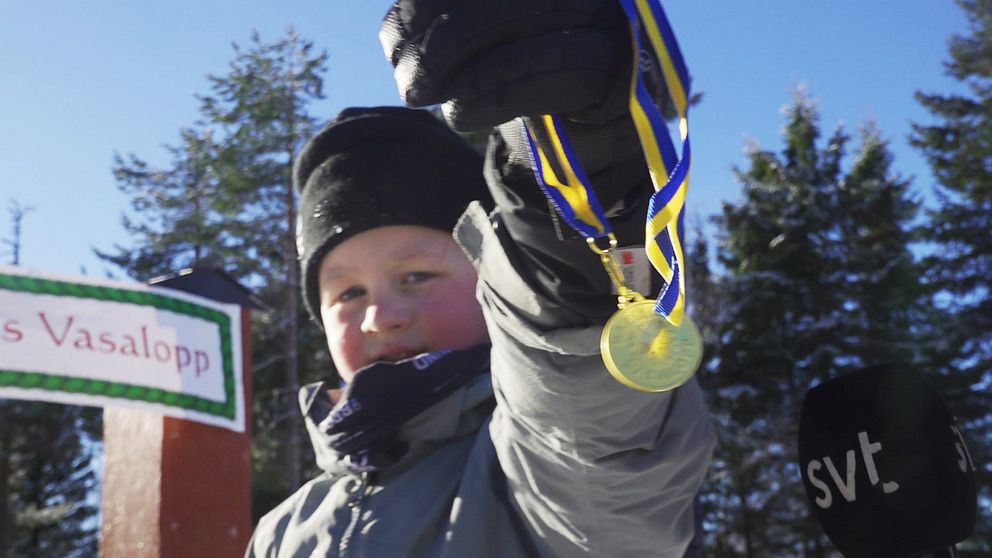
118,390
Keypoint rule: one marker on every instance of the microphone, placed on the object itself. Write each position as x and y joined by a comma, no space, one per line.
885,467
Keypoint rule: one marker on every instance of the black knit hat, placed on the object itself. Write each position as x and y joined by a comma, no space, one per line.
373,167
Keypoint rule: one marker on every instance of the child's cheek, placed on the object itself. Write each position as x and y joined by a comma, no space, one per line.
457,318
344,340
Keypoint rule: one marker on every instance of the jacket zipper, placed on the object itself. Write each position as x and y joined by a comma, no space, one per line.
355,503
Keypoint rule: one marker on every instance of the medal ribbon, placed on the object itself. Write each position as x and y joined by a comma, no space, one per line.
574,198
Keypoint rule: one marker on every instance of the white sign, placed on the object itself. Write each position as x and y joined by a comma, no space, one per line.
87,341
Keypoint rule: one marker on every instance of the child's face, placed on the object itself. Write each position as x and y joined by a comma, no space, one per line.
394,292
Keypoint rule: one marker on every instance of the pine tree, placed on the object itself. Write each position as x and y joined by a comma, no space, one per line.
261,106
226,201
175,221
958,148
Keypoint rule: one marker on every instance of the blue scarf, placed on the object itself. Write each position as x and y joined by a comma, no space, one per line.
364,423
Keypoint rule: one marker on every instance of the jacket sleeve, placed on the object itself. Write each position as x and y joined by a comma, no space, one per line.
593,466
551,257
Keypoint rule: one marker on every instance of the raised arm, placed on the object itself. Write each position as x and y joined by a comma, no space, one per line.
592,465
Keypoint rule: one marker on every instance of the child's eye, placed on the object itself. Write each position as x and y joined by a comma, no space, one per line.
416,277
350,294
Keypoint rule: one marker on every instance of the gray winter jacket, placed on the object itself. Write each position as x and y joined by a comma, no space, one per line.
569,463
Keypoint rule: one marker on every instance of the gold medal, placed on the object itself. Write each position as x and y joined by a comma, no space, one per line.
640,347
643,350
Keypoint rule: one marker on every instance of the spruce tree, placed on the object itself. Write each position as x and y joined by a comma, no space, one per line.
885,308
47,479
781,260
47,465
819,280
702,292
958,147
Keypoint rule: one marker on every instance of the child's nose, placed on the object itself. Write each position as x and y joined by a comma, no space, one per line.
386,314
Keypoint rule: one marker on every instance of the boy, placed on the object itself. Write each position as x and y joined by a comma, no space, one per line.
478,418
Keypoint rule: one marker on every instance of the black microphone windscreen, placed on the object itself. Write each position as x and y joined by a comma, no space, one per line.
884,464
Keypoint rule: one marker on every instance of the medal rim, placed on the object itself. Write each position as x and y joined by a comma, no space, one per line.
620,376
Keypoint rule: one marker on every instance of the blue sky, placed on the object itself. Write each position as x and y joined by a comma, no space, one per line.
80,81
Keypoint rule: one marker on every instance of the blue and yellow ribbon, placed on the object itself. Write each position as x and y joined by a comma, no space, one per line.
573,196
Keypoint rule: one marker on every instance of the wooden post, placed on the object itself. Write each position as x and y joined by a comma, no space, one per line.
177,488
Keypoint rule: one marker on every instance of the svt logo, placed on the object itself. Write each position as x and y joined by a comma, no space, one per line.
846,485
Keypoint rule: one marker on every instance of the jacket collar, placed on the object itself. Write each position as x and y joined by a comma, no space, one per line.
462,411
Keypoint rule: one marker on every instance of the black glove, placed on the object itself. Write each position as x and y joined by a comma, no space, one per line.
489,61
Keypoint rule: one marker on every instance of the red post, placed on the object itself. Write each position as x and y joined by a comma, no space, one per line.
176,488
